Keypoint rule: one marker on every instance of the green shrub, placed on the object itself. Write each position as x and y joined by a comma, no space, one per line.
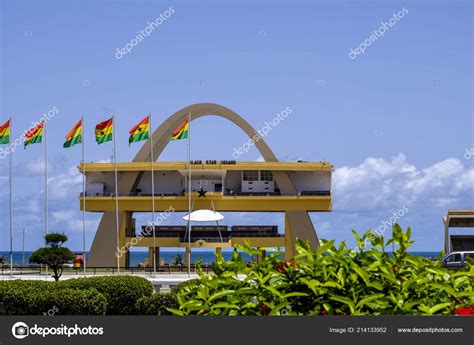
331,280
157,304
121,292
184,285
47,298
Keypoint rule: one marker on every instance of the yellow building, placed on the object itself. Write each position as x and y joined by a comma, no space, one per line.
293,188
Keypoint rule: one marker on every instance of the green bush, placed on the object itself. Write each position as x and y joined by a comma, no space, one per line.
157,304
185,285
47,298
331,280
121,292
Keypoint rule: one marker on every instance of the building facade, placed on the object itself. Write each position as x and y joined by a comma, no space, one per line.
292,188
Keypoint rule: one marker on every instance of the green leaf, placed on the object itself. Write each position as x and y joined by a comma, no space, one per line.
346,301
295,294
273,291
366,300
361,273
224,305
221,294
332,284
437,308
341,276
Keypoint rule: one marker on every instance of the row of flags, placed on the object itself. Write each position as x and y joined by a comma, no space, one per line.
103,132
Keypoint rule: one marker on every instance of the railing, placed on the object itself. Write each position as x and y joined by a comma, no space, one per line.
216,239
225,236
236,194
303,193
78,271
112,195
250,234
160,234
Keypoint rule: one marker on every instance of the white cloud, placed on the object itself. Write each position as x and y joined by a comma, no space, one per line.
378,184
66,185
64,215
33,168
71,221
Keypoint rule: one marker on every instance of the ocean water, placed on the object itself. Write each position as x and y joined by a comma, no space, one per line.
208,257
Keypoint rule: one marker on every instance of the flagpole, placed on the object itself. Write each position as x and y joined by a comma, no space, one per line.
152,160
116,194
83,197
23,249
11,201
189,194
45,186
45,181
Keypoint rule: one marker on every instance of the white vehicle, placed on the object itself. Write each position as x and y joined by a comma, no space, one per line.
456,260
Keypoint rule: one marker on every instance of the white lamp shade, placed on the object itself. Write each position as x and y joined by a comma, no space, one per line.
204,216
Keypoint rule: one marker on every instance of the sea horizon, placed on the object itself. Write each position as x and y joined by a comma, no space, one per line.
207,256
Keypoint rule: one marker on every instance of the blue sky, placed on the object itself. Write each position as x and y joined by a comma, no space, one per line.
395,121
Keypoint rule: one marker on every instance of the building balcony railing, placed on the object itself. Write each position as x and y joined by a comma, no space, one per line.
234,194
225,237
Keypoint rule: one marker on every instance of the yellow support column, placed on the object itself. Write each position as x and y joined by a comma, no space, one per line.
218,252
289,240
123,217
261,254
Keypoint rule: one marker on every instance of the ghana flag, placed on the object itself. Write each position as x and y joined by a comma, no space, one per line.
34,135
74,136
5,133
103,131
140,132
181,132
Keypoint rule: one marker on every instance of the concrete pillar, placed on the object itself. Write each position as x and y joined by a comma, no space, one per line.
446,235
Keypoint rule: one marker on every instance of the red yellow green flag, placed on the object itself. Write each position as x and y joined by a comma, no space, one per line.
74,136
141,131
181,132
34,135
5,133
103,131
